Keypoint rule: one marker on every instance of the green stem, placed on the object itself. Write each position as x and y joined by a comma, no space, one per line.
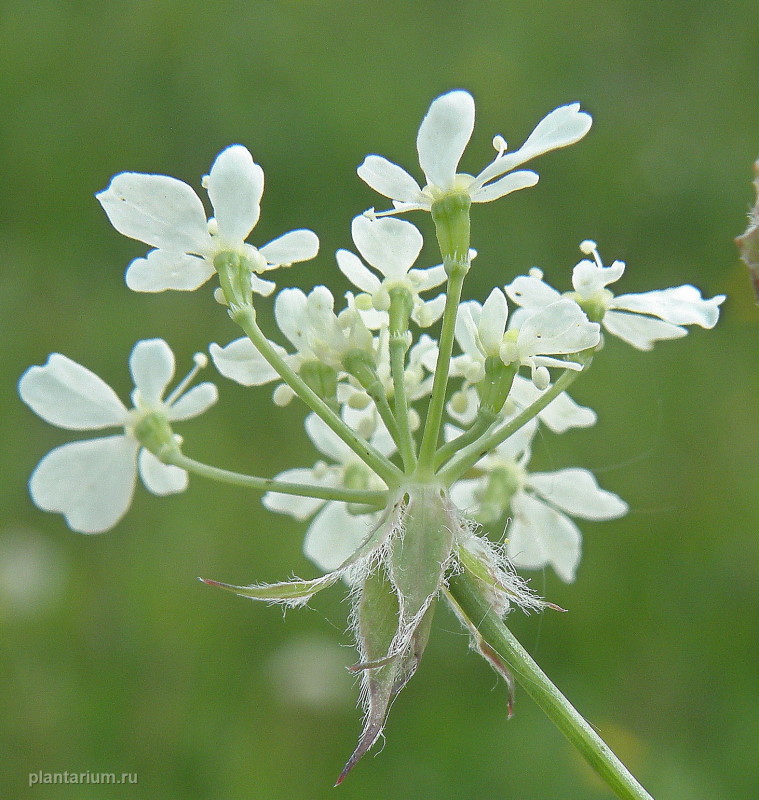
397,369
245,317
399,313
470,455
537,684
481,425
457,270
178,459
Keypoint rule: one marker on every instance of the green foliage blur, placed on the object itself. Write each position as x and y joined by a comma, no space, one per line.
115,659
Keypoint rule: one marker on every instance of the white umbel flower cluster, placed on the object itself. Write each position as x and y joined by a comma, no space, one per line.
91,482
400,502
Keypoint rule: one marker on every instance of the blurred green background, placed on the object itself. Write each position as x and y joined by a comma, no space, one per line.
114,659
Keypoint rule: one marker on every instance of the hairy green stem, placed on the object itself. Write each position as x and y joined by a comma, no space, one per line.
536,683
178,459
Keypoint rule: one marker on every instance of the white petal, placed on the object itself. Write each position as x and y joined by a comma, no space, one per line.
577,492
466,329
160,211
560,414
443,135
464,493
290,313
531,292
327,441
388,244
492,324
563,126
429,312
588,278
262,287
539,535
162,270
335,535
240,361
681,305
518,444
559,328
194,402
152,366
354,270
159,478
429,278
235,186
640,331
389,179
91,482
300,245
296,506
512,182
68,395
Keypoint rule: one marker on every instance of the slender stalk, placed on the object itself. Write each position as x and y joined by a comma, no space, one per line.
245,317
400,309
397,369
470,455
537,684
457,270
355,362
481,425
178,459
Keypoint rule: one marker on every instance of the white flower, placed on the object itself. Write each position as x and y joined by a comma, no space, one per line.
335,533
417,380
561,414
539,503
166,214
638,319
314,330
392,246
91,482
560,328
442,138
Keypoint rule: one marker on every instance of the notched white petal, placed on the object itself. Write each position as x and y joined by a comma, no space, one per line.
388,244
160,211
235,186
70,396
91,482
161,270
